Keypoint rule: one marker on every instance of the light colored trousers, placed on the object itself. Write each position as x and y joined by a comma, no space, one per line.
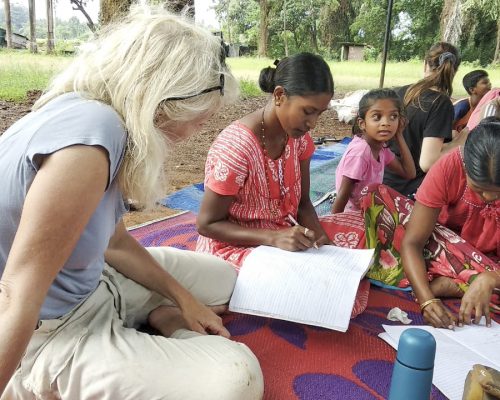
95,352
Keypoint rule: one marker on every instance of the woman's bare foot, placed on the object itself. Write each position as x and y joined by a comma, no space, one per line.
219,309
167,320
443,286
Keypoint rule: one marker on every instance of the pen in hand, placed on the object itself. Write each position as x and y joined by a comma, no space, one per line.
294,221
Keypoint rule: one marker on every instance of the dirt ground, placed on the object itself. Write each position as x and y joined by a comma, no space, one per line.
186,165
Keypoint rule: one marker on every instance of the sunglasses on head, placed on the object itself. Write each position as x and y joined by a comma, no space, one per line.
219,87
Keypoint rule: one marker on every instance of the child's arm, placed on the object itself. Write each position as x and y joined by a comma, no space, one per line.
405,166
343,193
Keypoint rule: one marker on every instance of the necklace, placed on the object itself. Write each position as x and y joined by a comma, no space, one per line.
267,160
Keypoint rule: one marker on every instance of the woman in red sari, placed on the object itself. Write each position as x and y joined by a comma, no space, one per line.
461,192
447,244
257,169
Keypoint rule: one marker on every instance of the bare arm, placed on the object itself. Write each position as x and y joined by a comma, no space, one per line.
431,151
405,167
418,230
70,179
433,148
213,222
127,256
343,193
476,300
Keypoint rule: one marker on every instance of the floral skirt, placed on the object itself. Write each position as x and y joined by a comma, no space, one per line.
386,213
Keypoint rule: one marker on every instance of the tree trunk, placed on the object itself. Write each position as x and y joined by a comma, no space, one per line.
113,9
264,28
314,37
445,16
8,23
451,22
496,58
284,29
31,10
50,27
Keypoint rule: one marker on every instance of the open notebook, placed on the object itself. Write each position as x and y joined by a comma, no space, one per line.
314,287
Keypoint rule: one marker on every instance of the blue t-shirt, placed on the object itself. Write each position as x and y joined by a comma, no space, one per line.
65,121
460,108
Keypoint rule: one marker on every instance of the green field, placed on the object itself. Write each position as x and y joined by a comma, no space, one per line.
21,71
352,75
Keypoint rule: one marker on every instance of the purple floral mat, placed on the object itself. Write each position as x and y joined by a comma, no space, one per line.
305,362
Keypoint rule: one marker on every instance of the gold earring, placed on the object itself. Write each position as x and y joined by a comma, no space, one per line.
277,103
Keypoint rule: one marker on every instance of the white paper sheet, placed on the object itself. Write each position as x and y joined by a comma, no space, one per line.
456,352
315,287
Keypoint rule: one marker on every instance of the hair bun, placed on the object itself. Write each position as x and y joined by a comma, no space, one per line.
266,79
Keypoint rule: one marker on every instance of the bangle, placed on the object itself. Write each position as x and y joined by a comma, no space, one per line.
426,303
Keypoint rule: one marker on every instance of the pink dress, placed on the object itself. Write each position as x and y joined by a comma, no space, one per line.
359,164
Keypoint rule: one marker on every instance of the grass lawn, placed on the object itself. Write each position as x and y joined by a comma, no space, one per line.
21,71
352,75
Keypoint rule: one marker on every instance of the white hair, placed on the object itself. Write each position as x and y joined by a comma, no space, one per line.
134,66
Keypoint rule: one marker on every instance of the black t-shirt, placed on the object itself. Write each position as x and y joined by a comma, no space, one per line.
433,118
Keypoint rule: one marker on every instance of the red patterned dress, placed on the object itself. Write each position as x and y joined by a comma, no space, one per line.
265,192
465,241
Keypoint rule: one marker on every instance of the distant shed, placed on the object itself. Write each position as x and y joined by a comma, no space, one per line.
18,41
352,51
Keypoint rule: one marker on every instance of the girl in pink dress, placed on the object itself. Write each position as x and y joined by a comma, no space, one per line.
379,120
257,169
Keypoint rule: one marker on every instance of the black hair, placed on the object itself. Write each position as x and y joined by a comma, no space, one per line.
302,74
369,100
471,79
482,152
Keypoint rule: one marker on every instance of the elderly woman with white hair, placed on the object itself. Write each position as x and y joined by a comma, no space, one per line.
74,284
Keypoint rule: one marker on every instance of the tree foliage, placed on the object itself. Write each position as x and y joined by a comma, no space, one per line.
322,25
413,26
19,16
481,38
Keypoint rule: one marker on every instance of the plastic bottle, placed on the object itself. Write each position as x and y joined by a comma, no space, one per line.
414,366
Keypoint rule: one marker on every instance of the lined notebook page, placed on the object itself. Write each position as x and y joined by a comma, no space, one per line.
314,287
456,353
480,339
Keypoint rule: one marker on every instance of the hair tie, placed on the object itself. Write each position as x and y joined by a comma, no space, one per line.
276,62
447,56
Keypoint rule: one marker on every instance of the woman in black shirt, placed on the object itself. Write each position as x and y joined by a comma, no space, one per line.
429,112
